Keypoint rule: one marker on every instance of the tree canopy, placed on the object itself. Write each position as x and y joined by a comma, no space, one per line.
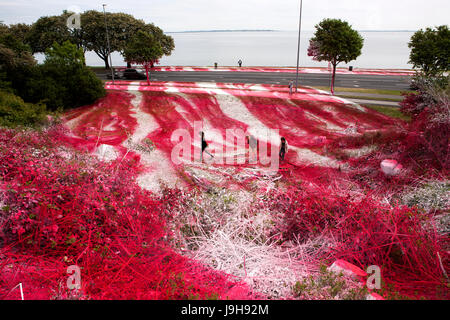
42,34
430,50
48,30
335,41
143,49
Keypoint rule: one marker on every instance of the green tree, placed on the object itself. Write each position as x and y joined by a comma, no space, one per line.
92,35
167,43
121,28
20,31
64,55
430,50
335,41
16,62
63,81
48,30
143,49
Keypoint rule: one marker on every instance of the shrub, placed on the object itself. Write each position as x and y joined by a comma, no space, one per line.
60,209
401,240
428,133
63,81
15,112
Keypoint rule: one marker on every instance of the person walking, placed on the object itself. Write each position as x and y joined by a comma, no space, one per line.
240,63
204,146
253,147
283,148
291,86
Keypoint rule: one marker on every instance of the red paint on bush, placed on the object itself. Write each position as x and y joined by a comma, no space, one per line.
58,212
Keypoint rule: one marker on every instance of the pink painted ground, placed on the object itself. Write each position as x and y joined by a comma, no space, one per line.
133,113
393,72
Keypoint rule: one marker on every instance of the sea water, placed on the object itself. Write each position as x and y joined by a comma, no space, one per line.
381,49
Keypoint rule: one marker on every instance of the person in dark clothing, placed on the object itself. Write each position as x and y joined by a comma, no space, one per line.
240,63
283,148
291,86
204,146
253,147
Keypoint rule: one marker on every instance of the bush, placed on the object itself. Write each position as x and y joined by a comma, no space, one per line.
63,81
60,208
15,112
401,240
427,139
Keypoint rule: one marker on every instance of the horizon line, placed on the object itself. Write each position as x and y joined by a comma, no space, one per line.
273,30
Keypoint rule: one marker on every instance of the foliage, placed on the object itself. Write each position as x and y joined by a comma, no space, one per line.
65,54
429,195
428,132
19,31
121,28
15,112
143,49
62,208
43,33
335,41
63,81
16,62
399,239
430,50
328,285
48,30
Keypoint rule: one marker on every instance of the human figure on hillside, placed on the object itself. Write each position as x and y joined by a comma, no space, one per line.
204,146
283,148
253,147
240,63
291,87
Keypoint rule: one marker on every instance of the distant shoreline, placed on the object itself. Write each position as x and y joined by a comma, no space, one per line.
250,30
210,31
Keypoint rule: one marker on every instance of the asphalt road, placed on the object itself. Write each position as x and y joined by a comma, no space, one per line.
381,82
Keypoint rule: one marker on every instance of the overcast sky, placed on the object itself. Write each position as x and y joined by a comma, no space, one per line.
181,15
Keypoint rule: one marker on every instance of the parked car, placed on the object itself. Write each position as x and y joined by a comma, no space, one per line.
117,75
133,74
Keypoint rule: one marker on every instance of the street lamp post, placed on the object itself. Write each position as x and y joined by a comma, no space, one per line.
109,46
298,49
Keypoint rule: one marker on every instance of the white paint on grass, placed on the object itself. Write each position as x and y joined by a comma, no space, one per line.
160,169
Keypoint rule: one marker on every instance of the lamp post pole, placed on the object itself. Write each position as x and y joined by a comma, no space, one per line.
109,46
298,49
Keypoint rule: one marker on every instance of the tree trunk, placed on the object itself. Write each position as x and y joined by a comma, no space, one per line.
128,65
333,78
146,71
105,59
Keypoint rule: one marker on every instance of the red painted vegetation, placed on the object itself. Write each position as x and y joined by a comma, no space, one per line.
58,212
401,240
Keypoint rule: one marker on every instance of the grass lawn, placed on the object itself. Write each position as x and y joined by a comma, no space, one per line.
359,90
370,98
389,111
